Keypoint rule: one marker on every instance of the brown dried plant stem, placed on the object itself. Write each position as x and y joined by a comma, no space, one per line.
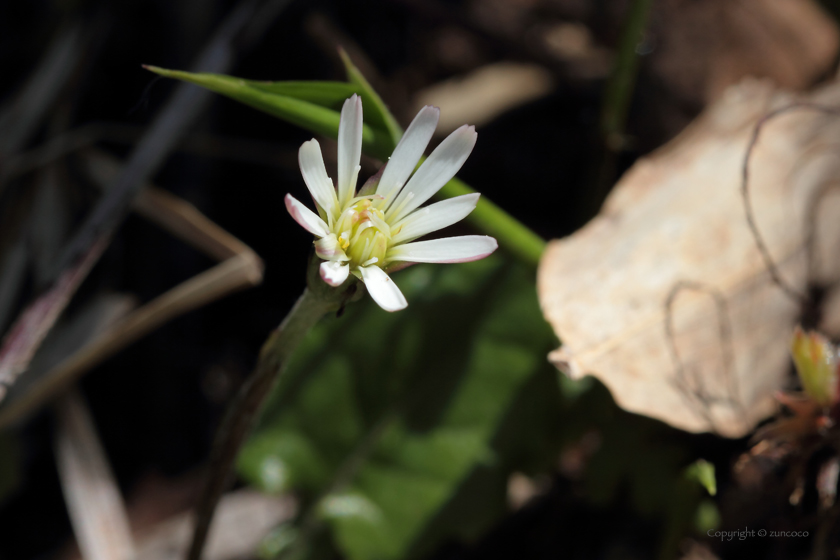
318,299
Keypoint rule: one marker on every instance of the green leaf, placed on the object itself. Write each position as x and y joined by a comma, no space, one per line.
703,472
326,94
278,541
371,99
314,106
400,409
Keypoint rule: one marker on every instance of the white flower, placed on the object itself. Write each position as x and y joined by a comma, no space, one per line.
370,234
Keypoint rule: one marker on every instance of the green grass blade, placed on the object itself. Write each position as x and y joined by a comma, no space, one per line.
301,112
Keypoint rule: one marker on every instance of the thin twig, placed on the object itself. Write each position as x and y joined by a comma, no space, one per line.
29,329
769,263
241,267
244,150
168,128
21,118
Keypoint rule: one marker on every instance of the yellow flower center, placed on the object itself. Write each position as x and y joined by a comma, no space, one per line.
364,234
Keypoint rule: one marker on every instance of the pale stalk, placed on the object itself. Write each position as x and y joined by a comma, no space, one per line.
317,300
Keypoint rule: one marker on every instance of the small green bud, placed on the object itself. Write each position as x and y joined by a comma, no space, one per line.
816,362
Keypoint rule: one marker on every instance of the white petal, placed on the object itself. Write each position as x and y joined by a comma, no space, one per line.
447,250
315,176
349,147
329,249
334,273
433,217
310,221
382,289
408,152
441,166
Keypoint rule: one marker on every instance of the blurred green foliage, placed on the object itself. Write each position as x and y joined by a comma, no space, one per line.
381,417
400,431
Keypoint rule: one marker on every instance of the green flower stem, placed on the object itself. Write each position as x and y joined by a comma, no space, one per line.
318,299
512,235
618,93
622,79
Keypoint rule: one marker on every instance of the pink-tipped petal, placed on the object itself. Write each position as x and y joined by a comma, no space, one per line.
309,220
446,160
409,151
329,249
334,273
349,147
382,289
447,250
433,217
315,176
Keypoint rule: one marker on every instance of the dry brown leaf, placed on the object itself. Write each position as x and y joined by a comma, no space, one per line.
830,320
701,48
664,296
